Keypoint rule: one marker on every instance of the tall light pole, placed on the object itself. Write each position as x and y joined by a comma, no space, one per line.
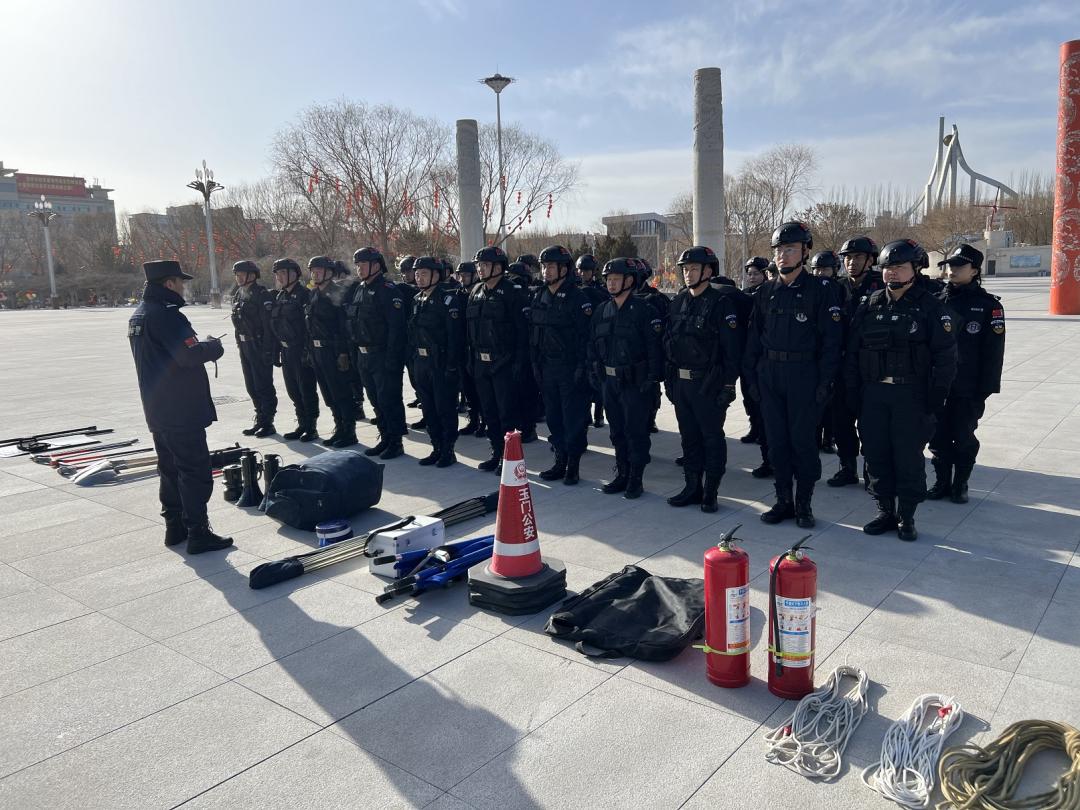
205,184
743,218
498,83
44,214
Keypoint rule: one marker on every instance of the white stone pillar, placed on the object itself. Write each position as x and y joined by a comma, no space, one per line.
709,161
470,207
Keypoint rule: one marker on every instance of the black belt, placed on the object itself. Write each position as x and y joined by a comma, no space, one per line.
790,357
690,374
897,380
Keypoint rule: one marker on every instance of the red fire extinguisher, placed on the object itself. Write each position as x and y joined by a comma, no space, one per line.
792,626
727,613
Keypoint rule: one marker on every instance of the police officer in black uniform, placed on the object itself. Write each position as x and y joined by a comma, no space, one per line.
290,329
662,304
900,363
437,341
559,337
346,283
826,264
704,344
754,276
251,303
859,255
627,360
175,392
793,351
375,316
980,342
329,340
408,289
530,403
467,278
498,330
597,294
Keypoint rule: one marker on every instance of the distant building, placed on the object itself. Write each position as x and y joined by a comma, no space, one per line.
650,232
1003,257
70,196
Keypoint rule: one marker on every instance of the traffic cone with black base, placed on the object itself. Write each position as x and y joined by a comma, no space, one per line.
518,580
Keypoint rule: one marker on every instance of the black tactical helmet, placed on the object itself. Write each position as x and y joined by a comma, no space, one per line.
790,232
528,260
340,268
369,254
324,262
557,254
493,254
699,255
825,258
429,263
625,266
644,270
467,267
406,264
586,261
860,244
286,264
760,262
519,269
246,267
904,250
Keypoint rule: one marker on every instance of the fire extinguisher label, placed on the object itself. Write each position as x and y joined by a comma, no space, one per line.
738,619
795,617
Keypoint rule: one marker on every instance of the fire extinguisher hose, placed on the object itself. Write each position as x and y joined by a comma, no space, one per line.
911,749
976,778
811,741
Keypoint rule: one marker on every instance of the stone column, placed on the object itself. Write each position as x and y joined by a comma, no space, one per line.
470,208
709,161
1065,251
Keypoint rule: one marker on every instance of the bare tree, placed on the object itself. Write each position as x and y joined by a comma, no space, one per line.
832,222
781,176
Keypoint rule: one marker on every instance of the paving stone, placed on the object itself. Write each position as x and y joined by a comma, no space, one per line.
58,649
1054,651
14,485
66,712
13,581
96,555
31,610
72,532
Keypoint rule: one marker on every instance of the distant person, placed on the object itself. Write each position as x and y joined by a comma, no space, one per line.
251,303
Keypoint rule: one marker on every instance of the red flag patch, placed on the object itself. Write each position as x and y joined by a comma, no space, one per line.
191,341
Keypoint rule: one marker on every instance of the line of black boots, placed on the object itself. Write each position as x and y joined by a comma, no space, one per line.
200,538
699,488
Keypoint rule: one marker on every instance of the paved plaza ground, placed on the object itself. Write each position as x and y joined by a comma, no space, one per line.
132,675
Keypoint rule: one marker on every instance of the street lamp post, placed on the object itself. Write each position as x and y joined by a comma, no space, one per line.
743,217
44,214
205,184
498,83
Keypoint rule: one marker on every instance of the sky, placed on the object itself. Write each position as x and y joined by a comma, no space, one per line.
137,94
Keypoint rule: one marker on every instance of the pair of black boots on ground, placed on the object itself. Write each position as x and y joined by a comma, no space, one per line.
200,538
564,469
628,480
699,488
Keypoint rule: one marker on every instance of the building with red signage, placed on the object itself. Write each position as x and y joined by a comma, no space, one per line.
70,196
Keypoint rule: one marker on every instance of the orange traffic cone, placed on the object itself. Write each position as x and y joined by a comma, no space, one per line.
518,580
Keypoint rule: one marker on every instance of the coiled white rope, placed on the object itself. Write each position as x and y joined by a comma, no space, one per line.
812,740
911,749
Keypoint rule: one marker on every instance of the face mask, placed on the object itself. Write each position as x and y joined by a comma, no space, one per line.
897,285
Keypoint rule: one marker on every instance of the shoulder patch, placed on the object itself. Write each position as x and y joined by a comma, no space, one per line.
587,308
397,303
657,325
946,323
835,313
732,321
974,327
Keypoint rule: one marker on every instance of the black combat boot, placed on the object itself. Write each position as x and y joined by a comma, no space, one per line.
556,470
381,445
598,415
493,464
265,429
293,434
885,519
847,474
481,429
175,530
619,482
959,491
470,426
431,457
710,491
446,455
691,491
750,438
765,470
420,425
332,441
572,476
255,426
783,509
310,432
392,450
943,481
905,529
201,538
347,436
528,436
804,515
634,485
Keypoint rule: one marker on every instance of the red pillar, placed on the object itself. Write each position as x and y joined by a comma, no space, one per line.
1065,261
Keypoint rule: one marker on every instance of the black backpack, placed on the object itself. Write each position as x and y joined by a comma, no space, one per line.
332,485
633,613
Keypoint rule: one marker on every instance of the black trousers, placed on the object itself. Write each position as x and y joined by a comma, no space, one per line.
334,384
701,428
498,399
895,429
843,426
383,386
259,381
524,418
185,480
791,419
566,404
753,410
629,411
954,441
300,386
472,396
438,392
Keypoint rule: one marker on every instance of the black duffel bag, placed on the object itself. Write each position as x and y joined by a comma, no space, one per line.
633,613
332,485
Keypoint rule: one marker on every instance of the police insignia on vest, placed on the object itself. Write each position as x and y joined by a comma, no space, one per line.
974,327
800,317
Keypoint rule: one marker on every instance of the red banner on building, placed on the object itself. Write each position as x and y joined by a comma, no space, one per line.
51,185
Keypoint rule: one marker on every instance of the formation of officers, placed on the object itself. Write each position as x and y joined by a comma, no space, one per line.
831,355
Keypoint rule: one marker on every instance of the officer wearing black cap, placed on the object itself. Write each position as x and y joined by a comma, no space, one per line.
559,336
437,341
290,328
860,280
900,363
826,264
704,344
793,352
498,331
375,316
329,338
530,403
251,303
408,288
662,304
627,361
980,342
175,392
466,277
597,293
